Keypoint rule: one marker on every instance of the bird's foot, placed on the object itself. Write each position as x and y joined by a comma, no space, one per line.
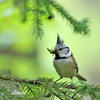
72,85
56,81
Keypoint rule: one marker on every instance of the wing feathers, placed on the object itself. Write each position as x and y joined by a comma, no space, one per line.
74,63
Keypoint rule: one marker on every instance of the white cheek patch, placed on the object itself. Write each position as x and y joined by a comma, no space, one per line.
69,53
65,53
62,53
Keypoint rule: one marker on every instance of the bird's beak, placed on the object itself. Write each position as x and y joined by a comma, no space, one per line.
55,51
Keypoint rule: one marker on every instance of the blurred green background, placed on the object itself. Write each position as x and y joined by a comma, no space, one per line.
27,57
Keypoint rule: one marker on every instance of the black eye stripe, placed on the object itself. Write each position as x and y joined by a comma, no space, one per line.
61,48
64,48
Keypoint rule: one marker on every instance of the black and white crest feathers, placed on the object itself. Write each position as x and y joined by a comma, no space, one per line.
58,39
62,48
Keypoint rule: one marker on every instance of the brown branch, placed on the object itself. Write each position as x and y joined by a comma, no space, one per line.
33,82
53,87
36,82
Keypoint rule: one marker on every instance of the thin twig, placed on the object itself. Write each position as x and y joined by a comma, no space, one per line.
78,92
57,95
62,93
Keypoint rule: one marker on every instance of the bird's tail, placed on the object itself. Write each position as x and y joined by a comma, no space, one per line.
80,77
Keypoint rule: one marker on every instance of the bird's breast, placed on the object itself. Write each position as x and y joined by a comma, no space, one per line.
64,67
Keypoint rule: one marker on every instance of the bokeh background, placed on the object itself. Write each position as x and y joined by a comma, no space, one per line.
27,57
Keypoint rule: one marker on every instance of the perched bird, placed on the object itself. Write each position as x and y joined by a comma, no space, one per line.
64,61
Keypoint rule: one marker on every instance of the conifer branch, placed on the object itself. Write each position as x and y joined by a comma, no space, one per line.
78,26
46,87
24,10
37,21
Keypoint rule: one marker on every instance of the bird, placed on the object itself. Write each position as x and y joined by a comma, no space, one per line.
64,62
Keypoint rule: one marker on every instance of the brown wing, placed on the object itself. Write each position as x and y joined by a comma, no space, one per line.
75,64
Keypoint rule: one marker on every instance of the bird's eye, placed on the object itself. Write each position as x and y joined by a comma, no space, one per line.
60,48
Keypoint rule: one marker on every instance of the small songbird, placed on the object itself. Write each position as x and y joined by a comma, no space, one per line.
64,61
